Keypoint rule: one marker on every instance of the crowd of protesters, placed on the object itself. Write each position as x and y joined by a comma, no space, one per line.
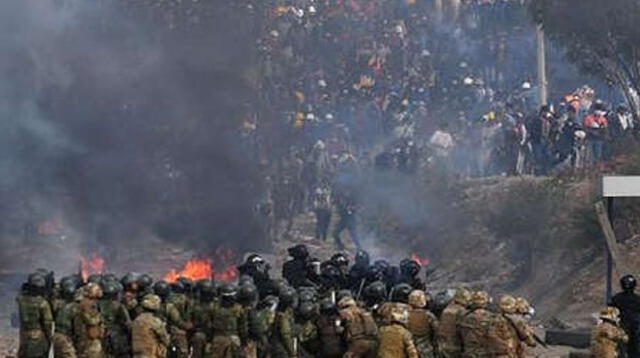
412,87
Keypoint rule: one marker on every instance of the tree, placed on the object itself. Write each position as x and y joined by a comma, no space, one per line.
600,37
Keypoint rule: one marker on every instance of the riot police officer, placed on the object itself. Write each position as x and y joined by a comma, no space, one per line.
628,302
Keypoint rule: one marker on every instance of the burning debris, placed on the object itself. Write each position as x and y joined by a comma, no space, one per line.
423,261
219,267
91,265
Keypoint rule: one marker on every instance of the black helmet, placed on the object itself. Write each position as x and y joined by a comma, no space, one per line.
255,263
342,294
68,289
307,310
247,294
177,287
254,260
69,280
375,292
109,277
328,307
75,278
245,279
188,284
400,293
299,252
207,289
130,281
628,283
228,292
269,302
409,267
162,289
37,283
339,260
382,264
330,274
288,298
95,278
145,281
375,273
110,289
362,258
279,285
307,294
49,277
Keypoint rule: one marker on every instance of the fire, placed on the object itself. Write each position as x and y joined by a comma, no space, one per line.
93,264
220,267
423,261
194,269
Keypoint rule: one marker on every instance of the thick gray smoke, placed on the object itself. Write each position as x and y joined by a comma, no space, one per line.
122,117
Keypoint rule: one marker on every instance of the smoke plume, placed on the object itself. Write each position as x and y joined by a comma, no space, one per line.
122,117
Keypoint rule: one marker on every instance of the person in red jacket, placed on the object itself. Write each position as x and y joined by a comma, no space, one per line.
596,125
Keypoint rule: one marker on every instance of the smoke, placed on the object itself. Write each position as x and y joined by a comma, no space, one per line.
122,117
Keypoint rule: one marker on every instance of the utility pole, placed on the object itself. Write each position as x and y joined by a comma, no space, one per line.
542,62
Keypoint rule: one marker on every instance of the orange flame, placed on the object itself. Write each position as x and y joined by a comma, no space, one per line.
194,269
423,261
93,264
203,268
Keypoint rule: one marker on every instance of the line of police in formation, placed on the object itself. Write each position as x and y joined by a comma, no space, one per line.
329,310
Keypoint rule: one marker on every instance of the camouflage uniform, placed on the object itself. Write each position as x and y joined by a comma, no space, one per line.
607,335
63,345
395,340
228,331
524,331
308,338
330,335
261,324
474,328
117,326
175,312
360,330
149,337
88,327
503,338
36,326
284,334
423,326
201,326
448,335
507,332
130,302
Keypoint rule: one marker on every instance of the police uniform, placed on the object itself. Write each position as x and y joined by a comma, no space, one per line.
174,312
395,341
448,336
229,331
149,337
422,324
36,326
89,330
63,345
117,324
607,335
284,335
474,328
361,330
